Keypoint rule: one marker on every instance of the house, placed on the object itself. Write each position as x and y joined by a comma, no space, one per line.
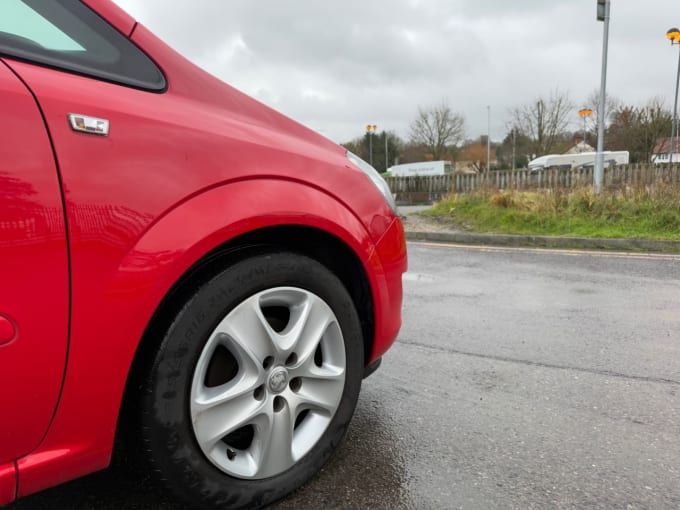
472,158
579,147
661,154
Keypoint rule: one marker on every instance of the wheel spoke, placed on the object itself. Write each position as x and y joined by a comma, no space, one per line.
309,327
204,398
321,393
248,331
214,422
309,370
276,443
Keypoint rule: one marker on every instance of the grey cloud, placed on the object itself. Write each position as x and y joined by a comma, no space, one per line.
339,65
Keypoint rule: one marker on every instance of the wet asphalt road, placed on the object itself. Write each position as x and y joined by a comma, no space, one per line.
521,379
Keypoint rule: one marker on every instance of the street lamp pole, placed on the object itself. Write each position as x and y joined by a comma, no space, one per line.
583,113
371,129
488,142
674,36
603,14
514,142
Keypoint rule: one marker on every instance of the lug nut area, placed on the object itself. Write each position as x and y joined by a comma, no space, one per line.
259,393
295,384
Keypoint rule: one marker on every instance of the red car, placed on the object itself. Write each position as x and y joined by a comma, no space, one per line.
184,270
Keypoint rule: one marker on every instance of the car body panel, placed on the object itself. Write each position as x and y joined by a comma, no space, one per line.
180,173
8,483
33,273
391,252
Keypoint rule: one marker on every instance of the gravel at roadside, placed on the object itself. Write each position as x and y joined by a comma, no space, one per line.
434,229
415,222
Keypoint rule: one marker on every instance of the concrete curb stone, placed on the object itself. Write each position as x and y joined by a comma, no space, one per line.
545,241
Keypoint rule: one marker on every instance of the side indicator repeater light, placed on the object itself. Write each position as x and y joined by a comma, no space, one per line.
87,124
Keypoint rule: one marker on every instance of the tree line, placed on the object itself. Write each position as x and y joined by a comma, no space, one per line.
547,125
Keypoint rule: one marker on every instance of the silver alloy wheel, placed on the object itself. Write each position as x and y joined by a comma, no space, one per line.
268,382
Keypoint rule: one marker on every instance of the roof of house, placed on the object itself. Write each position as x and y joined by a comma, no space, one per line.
663,145
580,147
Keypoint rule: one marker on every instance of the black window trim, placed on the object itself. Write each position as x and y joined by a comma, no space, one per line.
16,47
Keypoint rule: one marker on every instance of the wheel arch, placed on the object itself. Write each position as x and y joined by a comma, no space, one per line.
320,245
317,244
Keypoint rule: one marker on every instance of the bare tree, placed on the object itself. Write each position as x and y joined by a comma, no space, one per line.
611,105
474,154
544,121
636,129
438,128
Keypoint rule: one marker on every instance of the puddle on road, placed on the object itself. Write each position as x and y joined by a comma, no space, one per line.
418,277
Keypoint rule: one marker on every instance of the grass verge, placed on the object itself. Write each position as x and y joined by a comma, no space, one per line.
644,213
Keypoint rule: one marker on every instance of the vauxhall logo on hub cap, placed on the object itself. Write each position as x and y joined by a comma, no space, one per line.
278,380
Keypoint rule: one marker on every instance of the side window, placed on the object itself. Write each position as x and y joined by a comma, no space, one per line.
67,35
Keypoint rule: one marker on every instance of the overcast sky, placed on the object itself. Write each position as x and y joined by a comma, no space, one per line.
337,66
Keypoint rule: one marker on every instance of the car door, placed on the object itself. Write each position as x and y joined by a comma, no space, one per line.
34,279
99,96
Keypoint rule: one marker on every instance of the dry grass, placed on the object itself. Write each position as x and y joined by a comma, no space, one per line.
644,212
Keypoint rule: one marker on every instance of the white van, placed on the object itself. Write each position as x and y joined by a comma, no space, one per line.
580,160
422,168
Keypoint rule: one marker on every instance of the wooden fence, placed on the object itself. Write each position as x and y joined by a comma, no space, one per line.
434,187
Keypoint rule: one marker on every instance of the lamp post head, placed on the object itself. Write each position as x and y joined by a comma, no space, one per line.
602,9
585,112
371,128
673,35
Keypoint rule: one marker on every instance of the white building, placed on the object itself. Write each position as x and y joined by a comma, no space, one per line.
661,154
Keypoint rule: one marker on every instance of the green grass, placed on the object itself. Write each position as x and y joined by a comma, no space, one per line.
633,213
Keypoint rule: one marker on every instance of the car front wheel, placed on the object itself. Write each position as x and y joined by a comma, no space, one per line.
254,384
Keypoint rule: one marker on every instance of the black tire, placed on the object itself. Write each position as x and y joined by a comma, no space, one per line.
170,442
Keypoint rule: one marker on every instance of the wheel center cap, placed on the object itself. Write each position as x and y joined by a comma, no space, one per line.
278,380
